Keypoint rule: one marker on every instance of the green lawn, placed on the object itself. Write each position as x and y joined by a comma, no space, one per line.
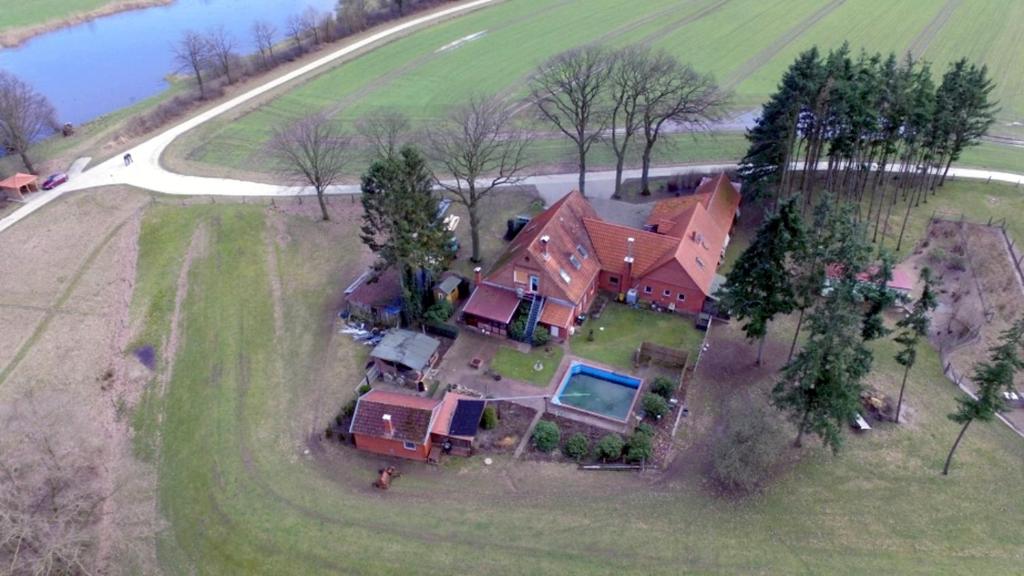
511,363
620,330
745,43
244,490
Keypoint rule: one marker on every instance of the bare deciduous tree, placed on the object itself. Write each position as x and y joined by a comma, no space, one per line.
353,16
312,151
25,116
481,148
386,129
192,54
263,33
630,73
567,90
311,22
296,28
675,93
222,50
49,499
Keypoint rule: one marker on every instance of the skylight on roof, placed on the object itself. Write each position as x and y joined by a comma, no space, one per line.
700,262
583,251
575,261
565,275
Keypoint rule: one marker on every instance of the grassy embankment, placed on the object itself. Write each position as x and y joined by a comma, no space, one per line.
242,494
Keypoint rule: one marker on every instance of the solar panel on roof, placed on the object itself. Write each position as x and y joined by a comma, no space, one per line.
466,418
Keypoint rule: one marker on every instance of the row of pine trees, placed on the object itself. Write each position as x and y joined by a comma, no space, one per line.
840,123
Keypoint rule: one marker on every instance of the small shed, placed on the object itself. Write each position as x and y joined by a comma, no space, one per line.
18,185
448,289
393,423
376,296
405,356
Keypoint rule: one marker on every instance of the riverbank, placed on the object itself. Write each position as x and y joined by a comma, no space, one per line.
18,34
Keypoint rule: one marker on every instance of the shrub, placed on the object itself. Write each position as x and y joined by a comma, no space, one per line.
349,409
745,445
664,387
610,447
639,447
644,428
546,436
655,406
328,433
541,336
445,330
577,447
363,389
489,421
517,329
439,313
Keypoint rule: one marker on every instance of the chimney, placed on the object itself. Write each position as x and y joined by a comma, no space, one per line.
544,244
478,276
389,428
629,250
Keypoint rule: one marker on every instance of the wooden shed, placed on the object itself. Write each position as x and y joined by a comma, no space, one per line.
18,185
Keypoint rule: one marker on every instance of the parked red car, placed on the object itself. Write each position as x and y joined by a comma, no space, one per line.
55,180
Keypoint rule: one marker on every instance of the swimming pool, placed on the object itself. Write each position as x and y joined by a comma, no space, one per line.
597,391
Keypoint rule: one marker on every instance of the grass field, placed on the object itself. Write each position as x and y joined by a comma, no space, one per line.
246,489
511,363
745,43
620,330
41,12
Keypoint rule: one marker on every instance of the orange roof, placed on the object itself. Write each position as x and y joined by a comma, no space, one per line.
18,180
700,248
666,212
555,314
725,199
611,242
562,225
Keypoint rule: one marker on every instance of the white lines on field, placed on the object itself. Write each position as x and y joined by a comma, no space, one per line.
461,41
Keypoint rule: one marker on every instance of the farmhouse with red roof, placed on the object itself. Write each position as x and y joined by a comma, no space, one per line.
566,254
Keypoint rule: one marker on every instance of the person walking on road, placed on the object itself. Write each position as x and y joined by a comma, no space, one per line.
128,159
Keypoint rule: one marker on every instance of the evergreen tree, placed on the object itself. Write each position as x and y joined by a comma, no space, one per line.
879,297
834,251
820,387
912,328
400,223
992,377
760,285
963,101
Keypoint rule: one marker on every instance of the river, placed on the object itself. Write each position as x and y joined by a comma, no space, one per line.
107,64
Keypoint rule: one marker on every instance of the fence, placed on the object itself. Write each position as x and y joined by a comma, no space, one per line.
958,379
670,357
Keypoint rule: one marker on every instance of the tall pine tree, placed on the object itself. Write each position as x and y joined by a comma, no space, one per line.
912,328
992,377
760,285
401,226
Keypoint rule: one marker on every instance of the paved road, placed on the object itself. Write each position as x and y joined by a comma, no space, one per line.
147,173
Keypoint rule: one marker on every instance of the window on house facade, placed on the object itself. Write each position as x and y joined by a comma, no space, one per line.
519,276
534,283
409,445
648,289
681,297
613,280
666,293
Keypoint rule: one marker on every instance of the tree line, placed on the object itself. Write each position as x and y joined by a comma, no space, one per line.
840,123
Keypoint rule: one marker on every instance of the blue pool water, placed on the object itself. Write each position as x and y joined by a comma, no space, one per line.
598,391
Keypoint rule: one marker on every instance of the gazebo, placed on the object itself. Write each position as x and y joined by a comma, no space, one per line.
18,185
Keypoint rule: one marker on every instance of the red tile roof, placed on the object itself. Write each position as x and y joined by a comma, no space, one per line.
562,225
411,416
492,303
611,242
554,314
691,232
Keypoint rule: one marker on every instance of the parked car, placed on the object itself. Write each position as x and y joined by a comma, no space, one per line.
55,180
